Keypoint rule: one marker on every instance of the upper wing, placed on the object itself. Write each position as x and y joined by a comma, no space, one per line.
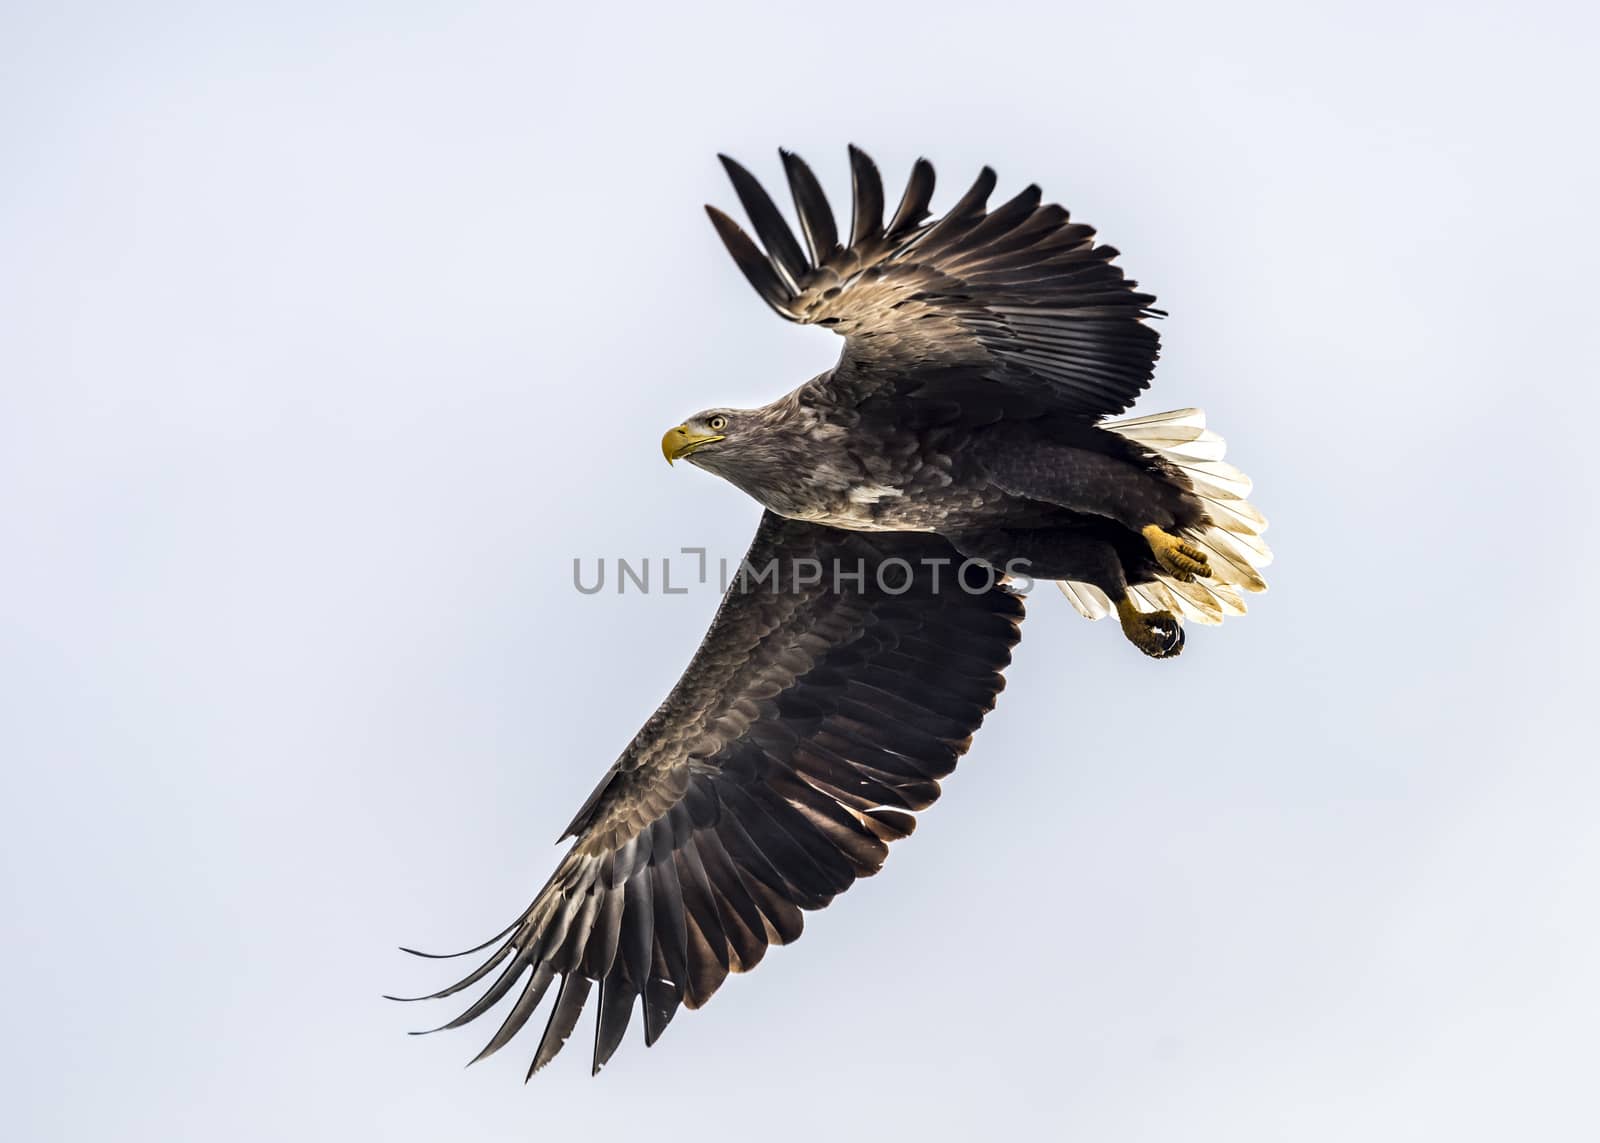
818,710
1014,304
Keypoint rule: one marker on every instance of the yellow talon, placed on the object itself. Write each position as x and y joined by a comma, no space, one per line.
1156,633
1183,561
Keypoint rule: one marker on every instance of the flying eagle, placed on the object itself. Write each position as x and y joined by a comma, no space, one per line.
856,653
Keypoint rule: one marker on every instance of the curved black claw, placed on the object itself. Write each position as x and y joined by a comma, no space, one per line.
1156,633
1167,627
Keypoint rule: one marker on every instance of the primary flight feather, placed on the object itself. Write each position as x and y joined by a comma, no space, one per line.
848,666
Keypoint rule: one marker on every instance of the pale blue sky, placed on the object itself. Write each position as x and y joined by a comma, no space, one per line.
329,334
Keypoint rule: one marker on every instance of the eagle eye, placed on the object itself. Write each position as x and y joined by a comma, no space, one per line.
718,423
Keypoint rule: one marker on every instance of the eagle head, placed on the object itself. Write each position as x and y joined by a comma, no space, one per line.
698,432
776,453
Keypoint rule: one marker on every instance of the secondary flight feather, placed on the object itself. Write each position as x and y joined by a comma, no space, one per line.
965,425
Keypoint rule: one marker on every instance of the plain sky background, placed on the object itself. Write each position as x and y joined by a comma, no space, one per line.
330,334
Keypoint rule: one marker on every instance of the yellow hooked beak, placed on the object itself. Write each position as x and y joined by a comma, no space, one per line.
681,441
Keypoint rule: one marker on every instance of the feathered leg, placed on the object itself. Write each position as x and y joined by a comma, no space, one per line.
1074,554
1133,490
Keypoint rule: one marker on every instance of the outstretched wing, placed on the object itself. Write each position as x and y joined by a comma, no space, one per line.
842,677
1016,306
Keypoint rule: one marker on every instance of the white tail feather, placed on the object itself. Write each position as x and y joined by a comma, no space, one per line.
1090,601
1231,539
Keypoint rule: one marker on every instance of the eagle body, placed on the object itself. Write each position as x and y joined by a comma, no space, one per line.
1078,492
969,418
